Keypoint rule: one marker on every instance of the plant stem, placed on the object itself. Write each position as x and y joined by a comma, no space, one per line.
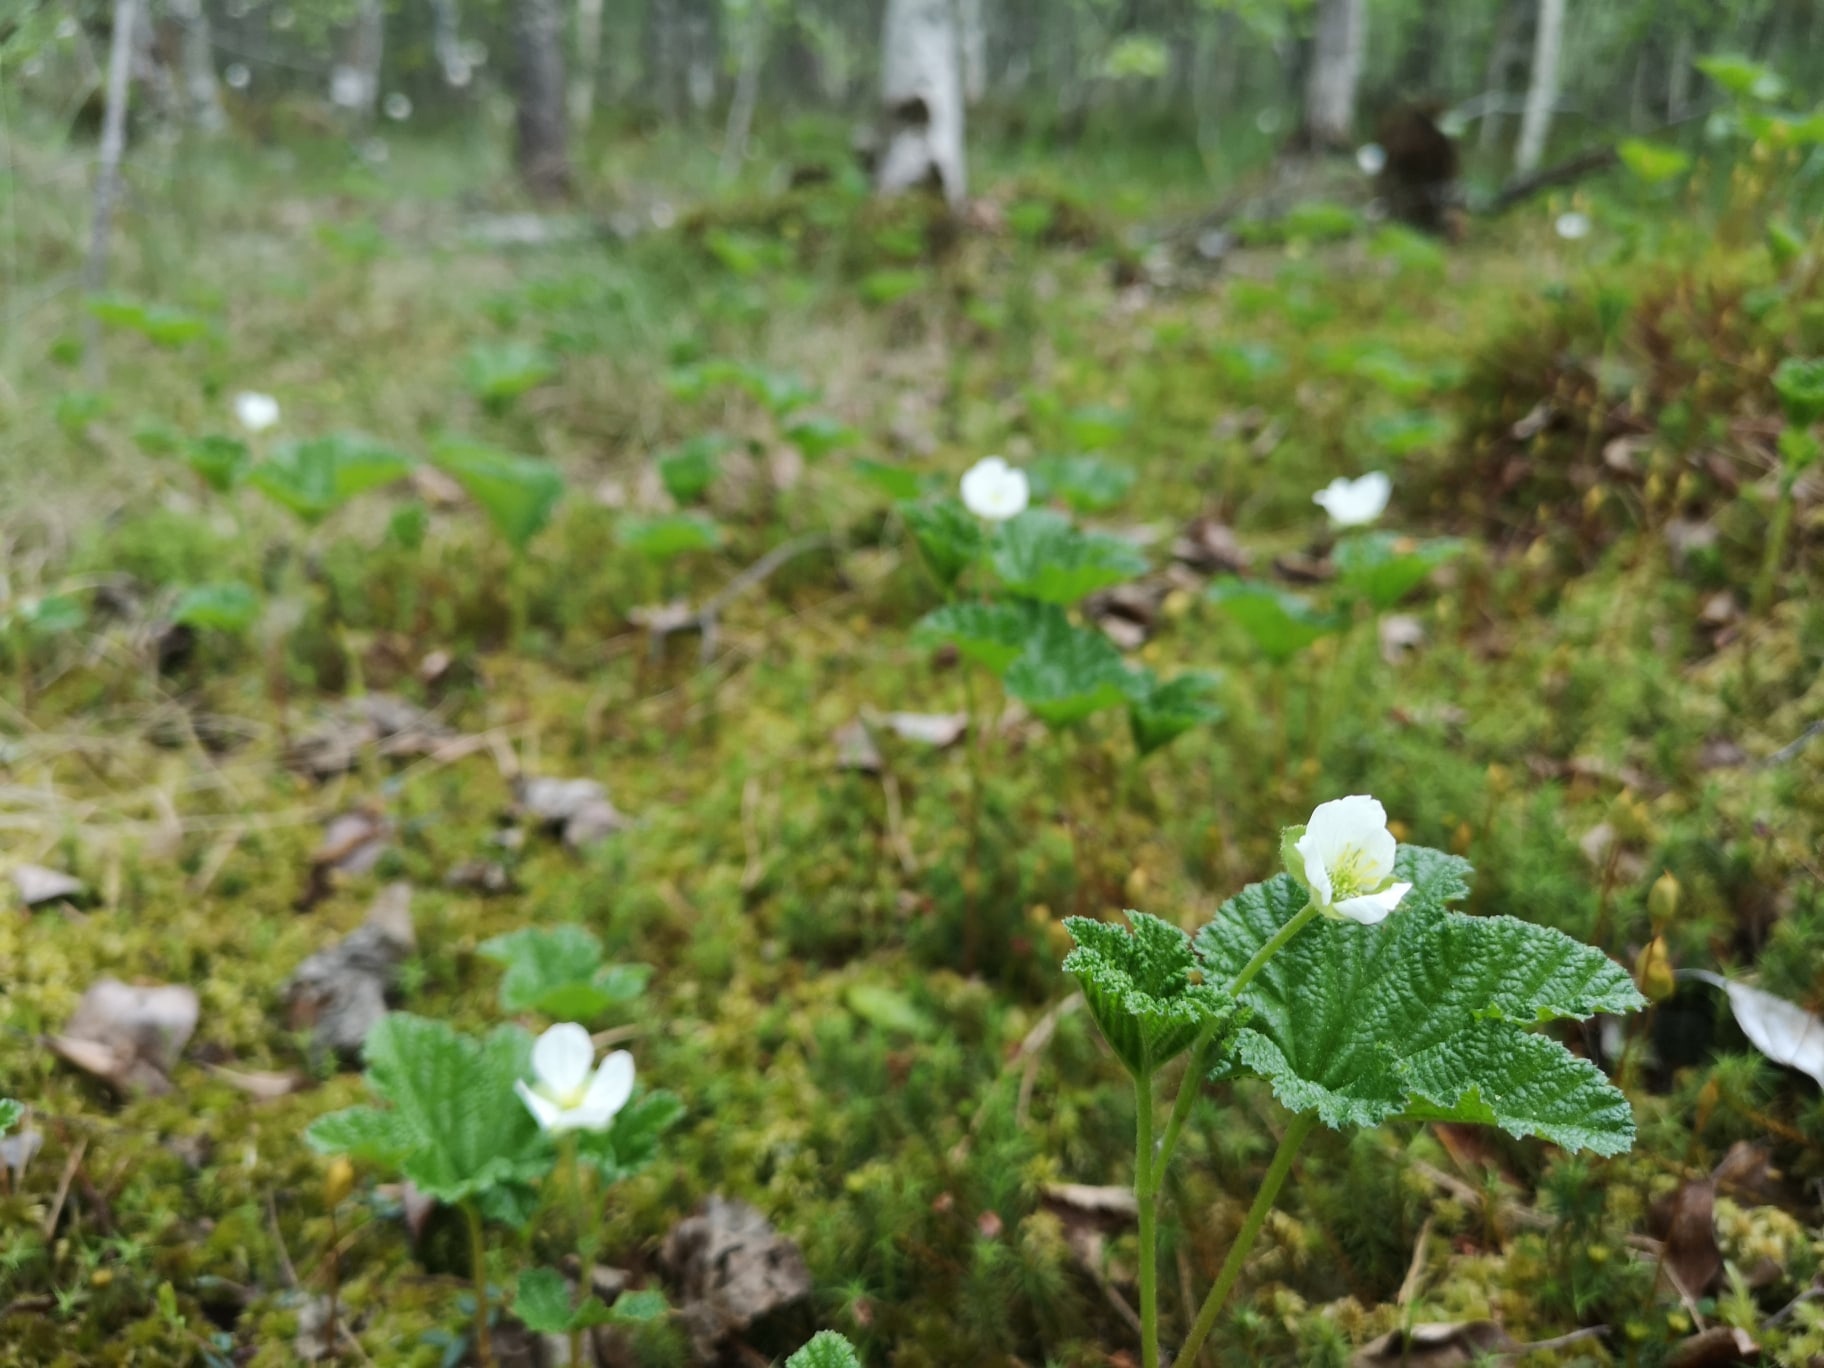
973,739
1271,948
1244,1241
1776,546
478,1250
1146,1198
584,1241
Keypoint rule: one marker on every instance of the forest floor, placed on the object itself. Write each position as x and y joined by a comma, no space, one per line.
855,989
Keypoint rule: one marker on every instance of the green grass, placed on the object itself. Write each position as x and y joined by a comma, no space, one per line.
1566,683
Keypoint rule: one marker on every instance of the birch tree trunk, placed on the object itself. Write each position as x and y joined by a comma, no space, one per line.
202,96
1542,87
972,34
1501,55
700,57
588,57
542,142
446,43
359,89
1336,71
747,90
922,99
1678,77
107,169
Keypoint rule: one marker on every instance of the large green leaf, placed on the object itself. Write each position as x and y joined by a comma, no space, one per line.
316,477
518,493
948,538
455,1127
10,1112
499,372
543,1304
1140,987
668,535
1158,714
1068,672
992,634
630,1144
558,971
1088,484
1383,568
219,461
1279,623
1424,1016
1040,555
826,1349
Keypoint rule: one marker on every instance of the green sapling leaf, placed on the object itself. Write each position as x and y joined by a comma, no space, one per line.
993,634
10,1114
1280,624
1158,714
1066,673
518,493
827,1349
558,971
1040,555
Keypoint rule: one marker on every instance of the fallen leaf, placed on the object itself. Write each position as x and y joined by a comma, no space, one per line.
1436,1346
398,729
488,877
1746,1174
1304,569
38,885
19,1149
1687,1223
855,748
1115,1205
1783,1031
339,994
352,845
663,619
1716,1347
578,809
941,730
730,1268
1209,546
129,1037
260,1085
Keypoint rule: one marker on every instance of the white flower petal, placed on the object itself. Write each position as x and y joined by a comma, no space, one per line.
1370,908
1317,875
1352,503
561,1059
994,490
608,1090
256,412
1341,825
543,1110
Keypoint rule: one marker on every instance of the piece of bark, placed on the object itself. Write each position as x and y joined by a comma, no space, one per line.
38,885
339,994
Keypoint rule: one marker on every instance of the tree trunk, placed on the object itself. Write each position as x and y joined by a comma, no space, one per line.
541,150
972,34
747,90
1678,76
356,86
1501,55
1336,71
446,43
107,168
1542,88
202,96
922,98
588,57
700,56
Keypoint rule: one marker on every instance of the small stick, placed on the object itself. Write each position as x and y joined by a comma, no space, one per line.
55,1214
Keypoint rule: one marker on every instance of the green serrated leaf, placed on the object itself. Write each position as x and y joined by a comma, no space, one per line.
1279,623
1066,673
994,634
219,461
1040,555
638,1308
10,1114
558,971
1088,484
1159,714
1799,381
455,1127
1424,1016
542,1301
896,482
669,535
314,478
226,607
1140,986
827,1349
688,472
630,1143
518,493
499,372
817,435
1384,568
948,538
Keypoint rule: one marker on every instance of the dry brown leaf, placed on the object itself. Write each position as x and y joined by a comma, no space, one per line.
731,1268
855,748
38,885
1686,1221
398,729
941,730
1210,547
130,1037
339,994
1716,1347
1436,1345
260,1085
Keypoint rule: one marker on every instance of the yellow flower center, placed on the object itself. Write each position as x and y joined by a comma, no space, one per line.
1349,877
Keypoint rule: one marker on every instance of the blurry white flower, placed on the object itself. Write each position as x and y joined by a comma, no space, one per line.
1372,158
994,490
256,412
1572,226
1344,858
398,106
237,76
565,1095
347,87
1353,503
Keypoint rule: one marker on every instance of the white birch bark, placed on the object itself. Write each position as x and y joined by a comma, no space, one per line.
1336,72
922,99
1678,77
107,167
972,34
202,94
1542,87
747,90
446,43
588,57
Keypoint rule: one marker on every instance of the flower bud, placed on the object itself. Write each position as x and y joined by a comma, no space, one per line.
339,1181
1653,971
1662,900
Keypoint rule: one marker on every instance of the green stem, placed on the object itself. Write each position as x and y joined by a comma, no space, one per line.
1244,1241
1146,1198
1776,547
1271,948
584,1240
478,1251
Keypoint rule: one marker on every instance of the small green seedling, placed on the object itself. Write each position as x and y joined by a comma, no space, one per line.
558,972
314,478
